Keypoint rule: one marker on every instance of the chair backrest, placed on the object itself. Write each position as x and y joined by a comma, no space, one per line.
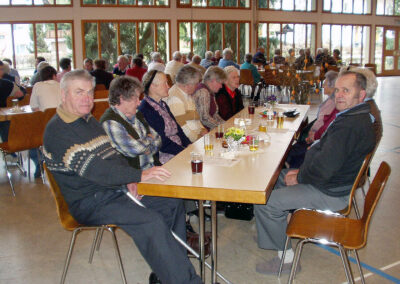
373,196
101,94
100,87
371,66
26,131
48,114
99,108
246,77
66,219
361,174
24,102
169,80
355,64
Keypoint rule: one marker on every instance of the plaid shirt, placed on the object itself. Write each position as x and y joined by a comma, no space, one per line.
145,147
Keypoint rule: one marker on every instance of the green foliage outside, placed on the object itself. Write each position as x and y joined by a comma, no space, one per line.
41,45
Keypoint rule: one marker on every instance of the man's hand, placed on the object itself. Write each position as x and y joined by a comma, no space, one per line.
203,131
155,172
310,137
132,187
291,177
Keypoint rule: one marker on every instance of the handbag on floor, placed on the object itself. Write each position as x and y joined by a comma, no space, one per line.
239,211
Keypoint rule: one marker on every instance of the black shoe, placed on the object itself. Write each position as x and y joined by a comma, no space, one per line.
189,227
153,279
37,173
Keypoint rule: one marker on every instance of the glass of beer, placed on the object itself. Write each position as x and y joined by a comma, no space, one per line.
262,127
254,143
15,106
196,162
279,120
220,132
208,143
251,107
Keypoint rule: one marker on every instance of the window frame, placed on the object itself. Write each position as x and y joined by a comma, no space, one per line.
208,22
342,13
351,48
282,24
10,5
294,5
125,5
384,8
190,5
35,40
118,34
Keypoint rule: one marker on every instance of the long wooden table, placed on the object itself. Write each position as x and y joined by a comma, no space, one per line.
248,178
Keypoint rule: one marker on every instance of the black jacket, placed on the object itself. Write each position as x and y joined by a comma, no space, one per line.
335,160
228,106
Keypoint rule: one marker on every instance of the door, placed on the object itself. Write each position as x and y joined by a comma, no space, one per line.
391,51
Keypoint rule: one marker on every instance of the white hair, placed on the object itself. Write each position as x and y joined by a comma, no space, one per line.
230,69
177,56
209,54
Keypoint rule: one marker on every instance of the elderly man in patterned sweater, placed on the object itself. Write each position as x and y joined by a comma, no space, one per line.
92,176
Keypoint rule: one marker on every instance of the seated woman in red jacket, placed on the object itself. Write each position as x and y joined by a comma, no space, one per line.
137,69
229,98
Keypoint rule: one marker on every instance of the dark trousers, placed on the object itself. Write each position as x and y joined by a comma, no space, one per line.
4,127
149,228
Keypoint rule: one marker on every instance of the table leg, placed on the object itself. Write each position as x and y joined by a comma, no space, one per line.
214,242
201,239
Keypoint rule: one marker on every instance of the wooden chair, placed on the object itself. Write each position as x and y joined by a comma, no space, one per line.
334,230
99,108
102,94
100,87
355,64
70,224
169,80
47,115
26,132
246,81
371,66
23,102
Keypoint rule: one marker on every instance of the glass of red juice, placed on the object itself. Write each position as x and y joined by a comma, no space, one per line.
196,163
251,108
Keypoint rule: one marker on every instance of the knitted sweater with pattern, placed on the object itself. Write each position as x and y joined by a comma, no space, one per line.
79,154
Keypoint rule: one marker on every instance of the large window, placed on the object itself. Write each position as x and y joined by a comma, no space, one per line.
240,4
35,3
288,5
388,7
116,3
352,40
23,42
348,6
198,37
285,36
378,49
108,39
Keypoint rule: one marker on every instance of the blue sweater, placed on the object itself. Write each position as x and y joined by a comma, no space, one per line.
225,63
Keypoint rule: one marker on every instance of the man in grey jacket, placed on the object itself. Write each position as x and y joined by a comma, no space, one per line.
325,178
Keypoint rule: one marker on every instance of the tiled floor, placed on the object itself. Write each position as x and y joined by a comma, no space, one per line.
33,244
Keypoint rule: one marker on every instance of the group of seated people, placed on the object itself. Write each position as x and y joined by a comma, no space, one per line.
135,137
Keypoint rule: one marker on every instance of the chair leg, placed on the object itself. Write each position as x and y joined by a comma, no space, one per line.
20,164
356,208
100,238
96,236
29,165
117,254
359,266
283,256
346,265
67,261
296,259
8,173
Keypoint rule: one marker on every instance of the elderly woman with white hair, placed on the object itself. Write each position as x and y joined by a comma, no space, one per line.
207,61
122,65
227,56
156,62
204,97
229,98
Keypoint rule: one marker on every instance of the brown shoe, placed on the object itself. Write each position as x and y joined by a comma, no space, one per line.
192,239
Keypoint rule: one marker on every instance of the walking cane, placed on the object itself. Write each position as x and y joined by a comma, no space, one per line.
183,243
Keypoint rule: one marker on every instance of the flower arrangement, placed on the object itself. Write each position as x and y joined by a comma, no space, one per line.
272,99
235,133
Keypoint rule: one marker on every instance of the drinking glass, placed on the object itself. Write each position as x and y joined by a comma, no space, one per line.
279,120
262,127
220,132
196,163
254,142
14,104
208,143
251,107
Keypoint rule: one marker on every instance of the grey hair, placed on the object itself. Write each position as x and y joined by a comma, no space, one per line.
230,69
41,65
371,84
330,78
196,59
123,57
227,52
156,56
177,56
214,72
78,74
125,87
208,55
188,75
